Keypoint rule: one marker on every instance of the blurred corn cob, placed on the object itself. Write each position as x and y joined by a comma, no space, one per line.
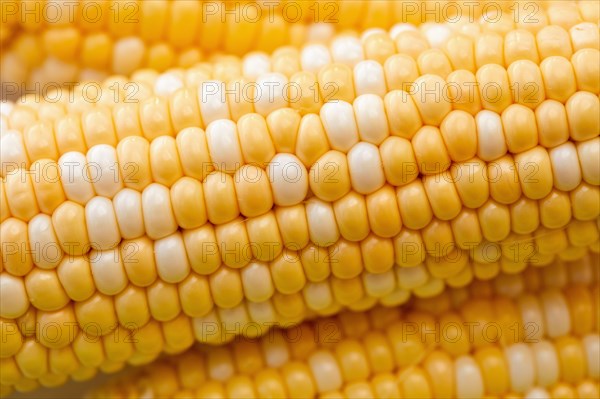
258,246
53,43
319,73
542,346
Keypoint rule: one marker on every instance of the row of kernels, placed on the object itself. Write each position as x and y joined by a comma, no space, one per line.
103,322
434,111
586,389
522,368
522,379
141,163
75,230
522,128
550,125
464,50
81,278
133,305
488,259
518,44
323,50
558,274
549,306
163,309
35,359
167,159
419,201
535,16
78,278
337,81
38,242
556,78
396,69
534,172
353,216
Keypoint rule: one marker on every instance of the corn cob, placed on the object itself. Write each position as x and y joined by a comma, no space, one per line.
36,354
378,251
130,52
390,353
